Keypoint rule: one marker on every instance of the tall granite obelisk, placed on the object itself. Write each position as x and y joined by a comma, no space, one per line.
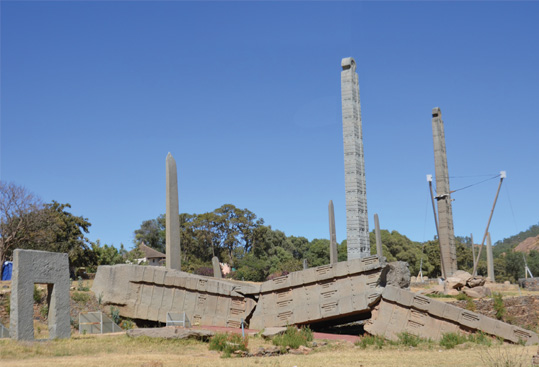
357,224
445,213
173,249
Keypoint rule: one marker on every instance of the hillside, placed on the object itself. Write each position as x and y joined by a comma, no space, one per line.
529,244
509,243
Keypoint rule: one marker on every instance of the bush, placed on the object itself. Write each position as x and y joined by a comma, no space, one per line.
480,338
410,340
80,297
450,340
463,297
499,307
293,338
44,311
228,343
82,286
37,294
127,324
373,340
115,315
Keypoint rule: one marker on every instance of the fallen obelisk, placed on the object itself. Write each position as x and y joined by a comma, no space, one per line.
359,289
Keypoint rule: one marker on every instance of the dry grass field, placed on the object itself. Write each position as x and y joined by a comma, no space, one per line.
119,350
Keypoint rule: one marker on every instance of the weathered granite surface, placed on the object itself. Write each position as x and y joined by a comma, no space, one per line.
41,267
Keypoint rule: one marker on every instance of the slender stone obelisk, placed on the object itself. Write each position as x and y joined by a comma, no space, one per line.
173,249
445,213
357,225
490,260
379,248
216,268
333,255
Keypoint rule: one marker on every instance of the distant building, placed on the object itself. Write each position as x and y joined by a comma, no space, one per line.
151,256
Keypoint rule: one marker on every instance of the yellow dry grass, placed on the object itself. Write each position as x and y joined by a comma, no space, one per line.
119,350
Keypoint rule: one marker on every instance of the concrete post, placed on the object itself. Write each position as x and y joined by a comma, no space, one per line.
379,248
490,260
216,268
357,224
445,214
333,255
173,246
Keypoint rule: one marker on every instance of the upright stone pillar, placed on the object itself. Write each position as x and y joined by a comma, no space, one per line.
173,249
41,267
357,225
333,255
379,248
445,214
216,268
490,260
305,266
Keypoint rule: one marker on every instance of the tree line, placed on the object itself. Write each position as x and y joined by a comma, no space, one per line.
255,251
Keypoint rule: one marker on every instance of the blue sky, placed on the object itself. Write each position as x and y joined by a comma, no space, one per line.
246,96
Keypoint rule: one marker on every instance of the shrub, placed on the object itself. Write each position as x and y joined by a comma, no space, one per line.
115,315
127,324
44,311
82,286
293,337
410,340
499,307
450,340
463,297
373,340
37,294
480,338
228,343
80,297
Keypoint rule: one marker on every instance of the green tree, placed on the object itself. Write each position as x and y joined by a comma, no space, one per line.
152,233
107,255
60,231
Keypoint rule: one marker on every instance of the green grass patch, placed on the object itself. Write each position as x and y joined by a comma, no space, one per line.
451,340
410,340
371,340
80,297
228,343
293,338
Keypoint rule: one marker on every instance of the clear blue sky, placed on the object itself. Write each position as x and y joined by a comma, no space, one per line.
246,96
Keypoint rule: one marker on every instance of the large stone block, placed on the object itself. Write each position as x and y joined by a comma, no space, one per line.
403,311
31,267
